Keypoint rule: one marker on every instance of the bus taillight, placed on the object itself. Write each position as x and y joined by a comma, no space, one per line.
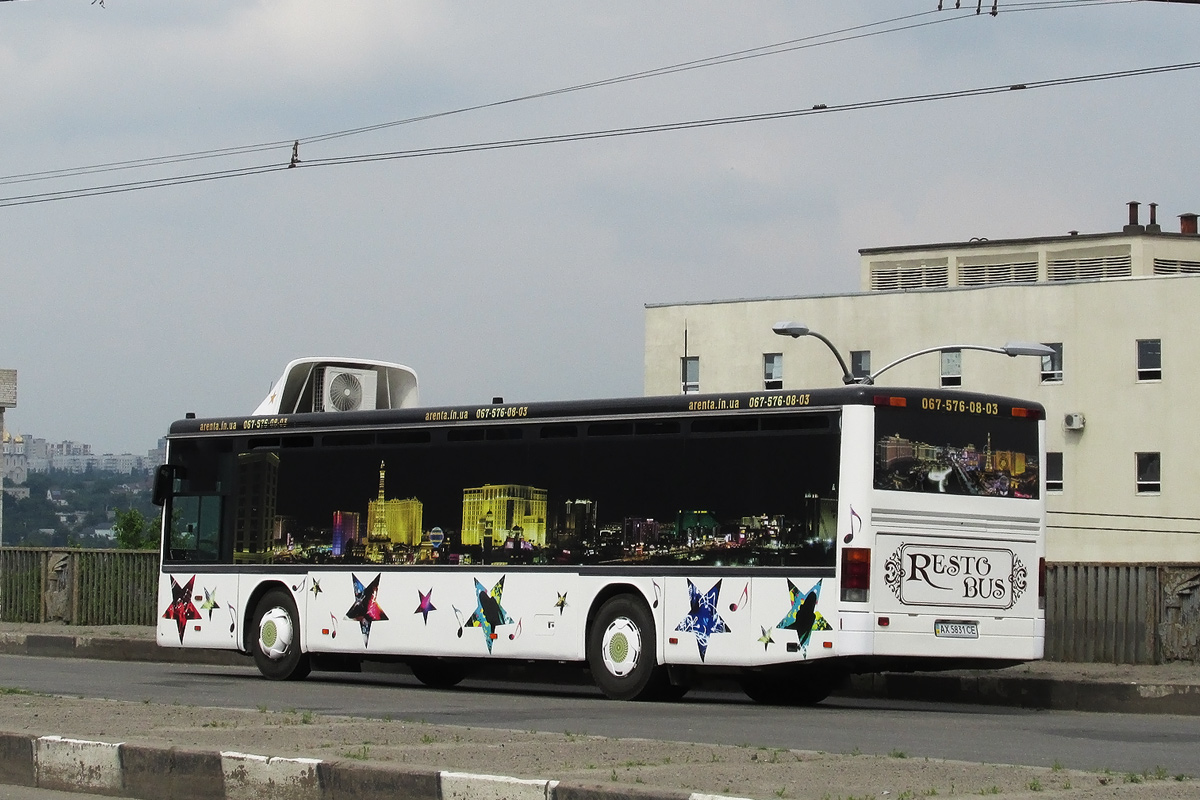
1027,413
897,402
856,574
1042,583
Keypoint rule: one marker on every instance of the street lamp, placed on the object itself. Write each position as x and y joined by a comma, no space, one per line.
1011,349
798,329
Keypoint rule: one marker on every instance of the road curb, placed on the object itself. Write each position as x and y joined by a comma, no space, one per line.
1030,692
147,772
110,648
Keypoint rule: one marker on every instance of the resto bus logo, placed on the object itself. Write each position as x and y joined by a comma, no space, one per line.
933,575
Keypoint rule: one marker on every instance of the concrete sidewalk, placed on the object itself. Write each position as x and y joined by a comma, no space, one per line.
1139,689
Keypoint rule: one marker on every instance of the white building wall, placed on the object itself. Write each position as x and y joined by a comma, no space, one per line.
1098,516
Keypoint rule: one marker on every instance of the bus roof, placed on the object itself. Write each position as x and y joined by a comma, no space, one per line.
778,401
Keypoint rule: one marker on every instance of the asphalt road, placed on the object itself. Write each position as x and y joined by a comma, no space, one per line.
1120,742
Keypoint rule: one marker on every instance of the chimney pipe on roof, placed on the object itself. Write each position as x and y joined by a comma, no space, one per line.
1134,226
1187,224
1153,226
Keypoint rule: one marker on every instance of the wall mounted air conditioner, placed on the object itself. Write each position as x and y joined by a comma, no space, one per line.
345,389
1073,421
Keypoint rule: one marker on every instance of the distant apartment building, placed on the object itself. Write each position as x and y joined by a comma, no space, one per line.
1116,308
23,454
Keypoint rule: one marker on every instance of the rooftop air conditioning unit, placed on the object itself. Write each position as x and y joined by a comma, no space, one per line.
348,389
1073,421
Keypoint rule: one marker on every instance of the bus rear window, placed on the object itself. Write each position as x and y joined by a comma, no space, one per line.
944,452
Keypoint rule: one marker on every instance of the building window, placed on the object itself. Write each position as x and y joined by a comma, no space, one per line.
690,369
1052,365
860,363
1054,472
772,370
1149,476
951,368
1149,359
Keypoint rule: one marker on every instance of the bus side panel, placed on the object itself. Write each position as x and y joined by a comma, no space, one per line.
746,622
464,612
198,609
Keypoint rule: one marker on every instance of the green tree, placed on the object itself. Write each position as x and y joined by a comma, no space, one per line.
133,531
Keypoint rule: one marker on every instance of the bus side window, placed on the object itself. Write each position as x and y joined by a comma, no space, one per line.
195,527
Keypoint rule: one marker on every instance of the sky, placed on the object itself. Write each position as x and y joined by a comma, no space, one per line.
522,272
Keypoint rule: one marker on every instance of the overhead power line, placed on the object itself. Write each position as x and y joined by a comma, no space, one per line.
898,24
588,135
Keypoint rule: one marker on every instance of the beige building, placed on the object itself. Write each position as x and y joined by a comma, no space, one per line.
1119,392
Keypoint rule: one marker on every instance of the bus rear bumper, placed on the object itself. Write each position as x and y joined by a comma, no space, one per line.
937,636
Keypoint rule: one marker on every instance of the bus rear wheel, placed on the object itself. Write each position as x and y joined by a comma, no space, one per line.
276,647
802,686
620,651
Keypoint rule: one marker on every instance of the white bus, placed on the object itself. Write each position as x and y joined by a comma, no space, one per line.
790,538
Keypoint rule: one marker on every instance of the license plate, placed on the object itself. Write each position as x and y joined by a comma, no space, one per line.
956,629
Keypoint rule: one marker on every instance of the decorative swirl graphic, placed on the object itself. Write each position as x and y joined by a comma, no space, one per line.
893,572
1019,580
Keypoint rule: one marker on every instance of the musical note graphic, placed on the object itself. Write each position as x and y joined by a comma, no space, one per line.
516,633
299,587
849,537
458,616
741,600
232,618
333,625
656,594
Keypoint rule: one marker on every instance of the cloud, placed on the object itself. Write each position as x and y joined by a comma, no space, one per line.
517,272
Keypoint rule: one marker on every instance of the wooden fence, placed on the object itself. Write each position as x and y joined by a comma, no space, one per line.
78,587
1118,613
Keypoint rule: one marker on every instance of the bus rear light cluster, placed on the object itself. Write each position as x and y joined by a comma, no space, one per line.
1041,583
1026,413
856,574
885,400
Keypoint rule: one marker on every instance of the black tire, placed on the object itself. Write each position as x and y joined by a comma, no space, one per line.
438,673
621,650
275,638
800,686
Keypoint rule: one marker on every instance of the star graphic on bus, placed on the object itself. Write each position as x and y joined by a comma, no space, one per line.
703,619
803,617
765,638
562,602
489,614
210,602
316,587
426,604
181,609
366,607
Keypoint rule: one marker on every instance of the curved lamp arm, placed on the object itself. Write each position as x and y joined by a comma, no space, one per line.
798,329
1012,350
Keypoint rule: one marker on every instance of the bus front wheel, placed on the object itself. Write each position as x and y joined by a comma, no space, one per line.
621,649
277,645
438,673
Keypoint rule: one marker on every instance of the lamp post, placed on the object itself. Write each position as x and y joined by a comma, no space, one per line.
1011,349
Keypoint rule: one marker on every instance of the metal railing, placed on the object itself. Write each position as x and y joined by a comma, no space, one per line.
78,587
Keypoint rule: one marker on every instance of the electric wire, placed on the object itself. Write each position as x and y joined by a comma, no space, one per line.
591,135
816,40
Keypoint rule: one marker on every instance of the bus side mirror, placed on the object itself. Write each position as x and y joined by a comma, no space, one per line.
164,482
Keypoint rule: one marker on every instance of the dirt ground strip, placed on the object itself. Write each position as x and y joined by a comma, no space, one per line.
744,771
